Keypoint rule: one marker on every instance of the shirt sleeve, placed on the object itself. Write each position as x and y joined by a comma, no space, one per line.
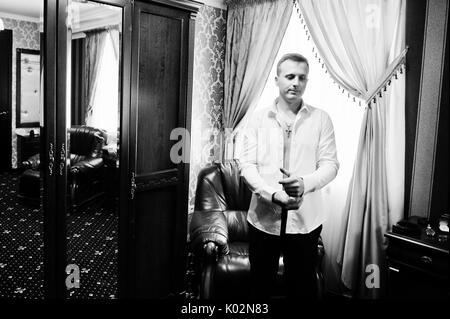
327,162
246,154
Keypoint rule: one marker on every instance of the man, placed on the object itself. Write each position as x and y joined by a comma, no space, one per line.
288,153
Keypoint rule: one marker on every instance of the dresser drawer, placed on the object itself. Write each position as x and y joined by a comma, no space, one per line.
418,256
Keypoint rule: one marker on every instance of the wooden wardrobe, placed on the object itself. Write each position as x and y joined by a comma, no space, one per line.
161,86
156,94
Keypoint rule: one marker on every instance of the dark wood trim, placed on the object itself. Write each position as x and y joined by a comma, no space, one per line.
132,145
440,192
189,5
124,195
19,52
48,137
428,110
417,241
77,99
415,27
63,63
7,107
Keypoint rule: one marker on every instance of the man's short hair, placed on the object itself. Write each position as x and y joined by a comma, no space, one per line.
293,57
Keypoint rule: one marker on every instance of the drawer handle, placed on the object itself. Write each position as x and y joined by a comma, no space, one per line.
426,260
393,269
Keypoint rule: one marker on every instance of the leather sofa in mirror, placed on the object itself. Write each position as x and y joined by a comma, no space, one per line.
219,236
86,163
29,181
85,173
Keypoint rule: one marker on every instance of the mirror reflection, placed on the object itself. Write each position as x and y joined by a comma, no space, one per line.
21,171
27,92
93,139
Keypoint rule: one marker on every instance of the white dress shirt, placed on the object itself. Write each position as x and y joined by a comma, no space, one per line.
313,157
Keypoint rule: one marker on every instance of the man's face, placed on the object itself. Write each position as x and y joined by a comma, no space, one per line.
292,80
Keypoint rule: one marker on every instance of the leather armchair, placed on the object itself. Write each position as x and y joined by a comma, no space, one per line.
85,173
219,235
86,161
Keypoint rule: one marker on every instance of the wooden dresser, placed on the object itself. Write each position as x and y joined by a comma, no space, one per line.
27,146
417,267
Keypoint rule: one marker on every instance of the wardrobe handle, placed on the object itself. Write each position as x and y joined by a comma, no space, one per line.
51,159
133,184
62,159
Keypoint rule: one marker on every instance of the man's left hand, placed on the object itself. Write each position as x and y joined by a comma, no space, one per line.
292,185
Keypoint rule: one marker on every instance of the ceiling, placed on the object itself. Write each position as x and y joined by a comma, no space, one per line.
85,15
34,8
27,8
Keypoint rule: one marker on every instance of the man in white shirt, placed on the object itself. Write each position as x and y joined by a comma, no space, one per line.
287,154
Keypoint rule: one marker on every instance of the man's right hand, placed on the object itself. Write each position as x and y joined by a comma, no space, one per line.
282,199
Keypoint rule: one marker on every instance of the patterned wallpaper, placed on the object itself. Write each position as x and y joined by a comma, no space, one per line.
207,99
26,36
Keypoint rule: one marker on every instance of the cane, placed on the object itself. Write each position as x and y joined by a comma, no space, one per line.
283,222
284,213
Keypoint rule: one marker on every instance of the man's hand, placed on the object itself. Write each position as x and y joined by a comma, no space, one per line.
285,201
292,185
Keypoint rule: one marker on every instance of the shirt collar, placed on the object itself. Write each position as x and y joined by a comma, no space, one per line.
274,111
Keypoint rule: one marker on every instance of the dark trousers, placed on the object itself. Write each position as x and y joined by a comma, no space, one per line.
299,258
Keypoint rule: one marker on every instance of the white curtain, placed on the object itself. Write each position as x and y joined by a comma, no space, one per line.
255,29
362,45
105,101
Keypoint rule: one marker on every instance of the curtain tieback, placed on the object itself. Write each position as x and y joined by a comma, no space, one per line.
385,80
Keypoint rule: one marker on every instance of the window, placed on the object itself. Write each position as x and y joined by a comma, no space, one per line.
105,110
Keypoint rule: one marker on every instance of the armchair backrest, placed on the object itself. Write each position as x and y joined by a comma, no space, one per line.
86,142
220,188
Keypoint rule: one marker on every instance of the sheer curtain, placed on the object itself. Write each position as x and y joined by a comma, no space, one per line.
254,33
93,52
362,44
104,113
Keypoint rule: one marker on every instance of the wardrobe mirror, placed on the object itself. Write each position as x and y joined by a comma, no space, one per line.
21,170
93,148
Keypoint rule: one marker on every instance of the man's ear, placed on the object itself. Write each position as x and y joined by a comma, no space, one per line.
276,80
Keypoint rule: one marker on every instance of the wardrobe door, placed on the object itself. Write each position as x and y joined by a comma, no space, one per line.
161,85
26,140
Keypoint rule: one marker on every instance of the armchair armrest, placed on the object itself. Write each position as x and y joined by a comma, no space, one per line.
33,162
87,166
209,226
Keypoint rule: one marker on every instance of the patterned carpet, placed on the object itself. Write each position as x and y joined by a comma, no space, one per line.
92,246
